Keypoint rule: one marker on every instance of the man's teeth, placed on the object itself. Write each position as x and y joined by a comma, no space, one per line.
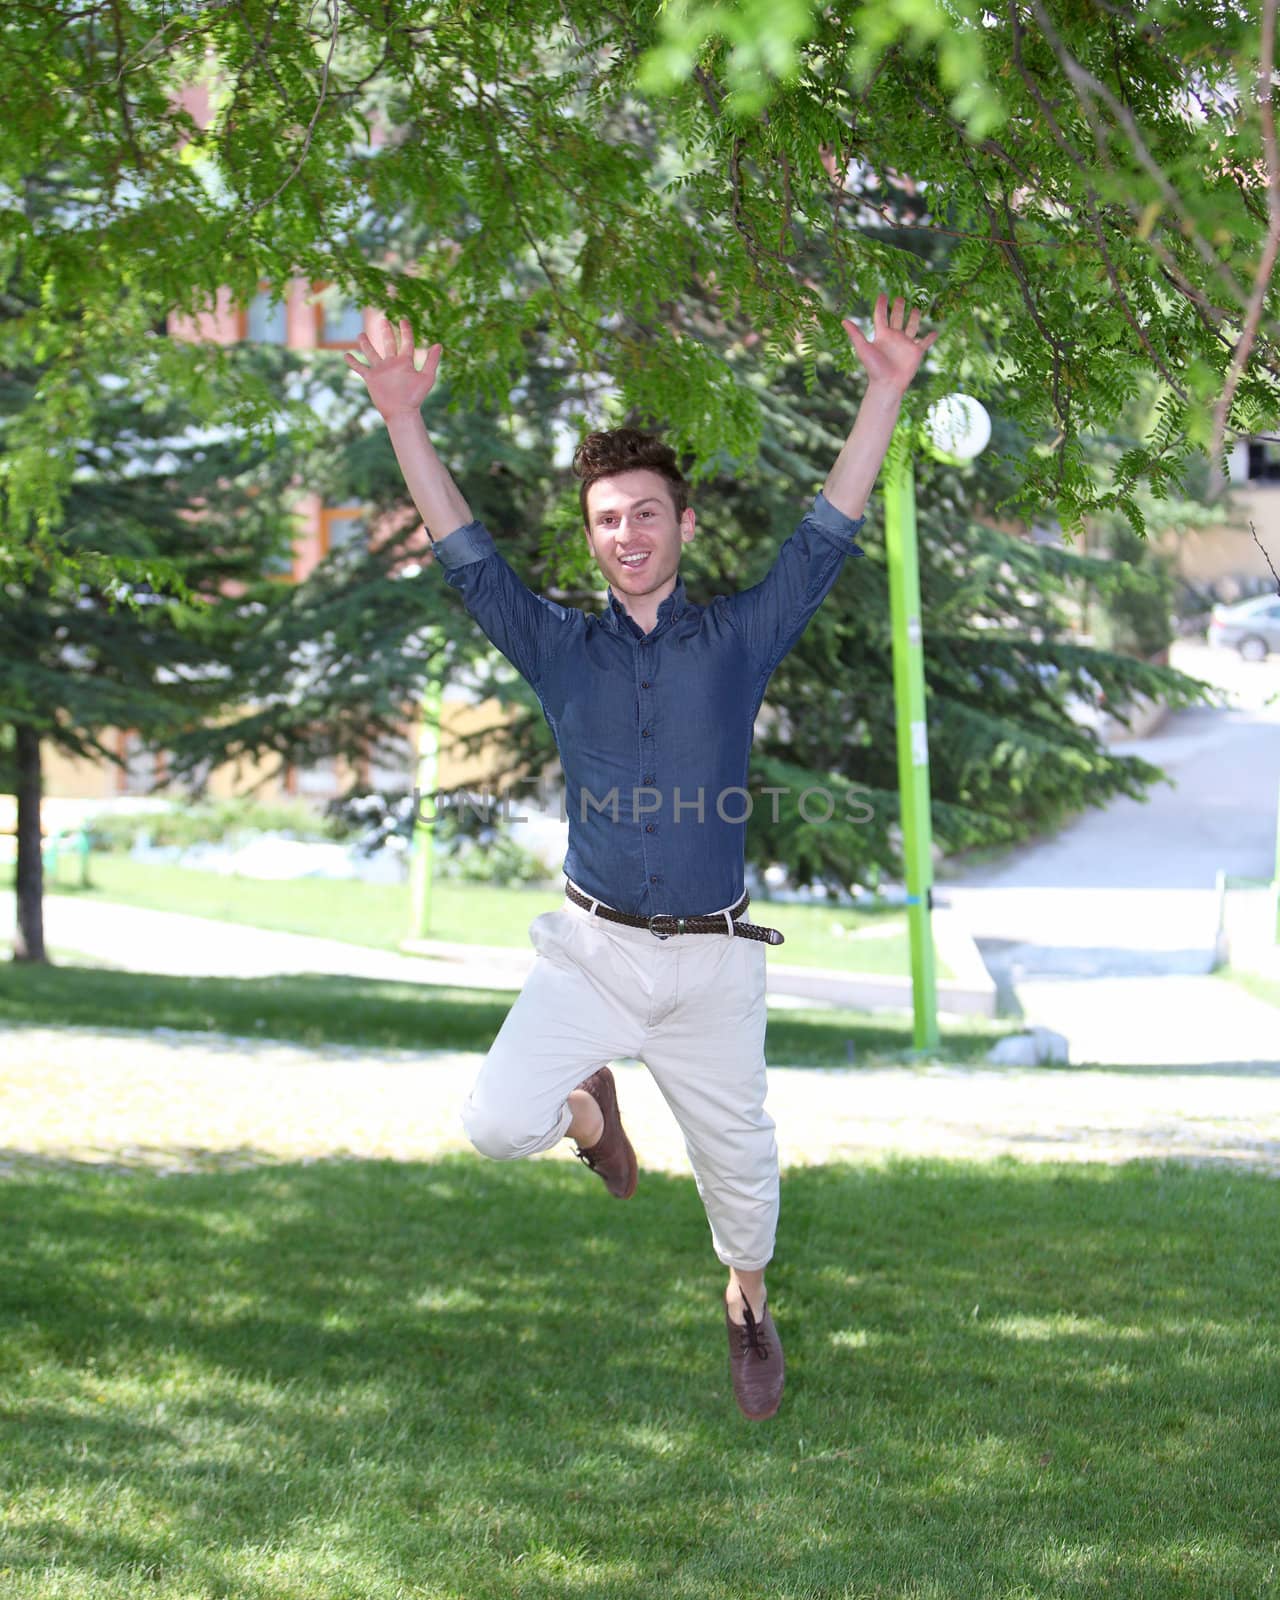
634,561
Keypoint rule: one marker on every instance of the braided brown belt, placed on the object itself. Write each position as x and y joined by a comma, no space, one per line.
663,924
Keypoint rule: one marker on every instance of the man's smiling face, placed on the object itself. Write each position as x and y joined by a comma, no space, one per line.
636,537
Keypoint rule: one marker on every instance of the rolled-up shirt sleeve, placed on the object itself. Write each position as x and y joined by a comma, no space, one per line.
524,626
773,613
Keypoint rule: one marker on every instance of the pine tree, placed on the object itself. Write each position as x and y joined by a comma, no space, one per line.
78,657
1012,693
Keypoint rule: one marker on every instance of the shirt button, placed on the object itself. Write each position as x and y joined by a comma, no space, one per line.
653,877
649,778
645,734
644,684
649,828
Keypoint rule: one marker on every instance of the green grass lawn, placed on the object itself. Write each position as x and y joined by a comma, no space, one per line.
318,1009
378,914
1262,988
465,1381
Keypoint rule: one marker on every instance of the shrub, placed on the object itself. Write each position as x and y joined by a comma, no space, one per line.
211,822
1137,619
476,850
468,845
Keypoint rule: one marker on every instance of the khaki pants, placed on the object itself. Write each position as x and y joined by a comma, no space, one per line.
692,1008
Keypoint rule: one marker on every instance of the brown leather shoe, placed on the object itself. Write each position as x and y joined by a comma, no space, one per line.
755,1360
611,1157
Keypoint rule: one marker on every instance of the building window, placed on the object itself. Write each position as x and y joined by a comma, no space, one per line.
1254,461
318,782
143,768
265,321
339,321
341,526
280,565
392,771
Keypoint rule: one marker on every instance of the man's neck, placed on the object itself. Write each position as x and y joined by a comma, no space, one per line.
644,614
643,608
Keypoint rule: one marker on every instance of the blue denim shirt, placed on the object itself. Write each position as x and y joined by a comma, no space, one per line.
654,729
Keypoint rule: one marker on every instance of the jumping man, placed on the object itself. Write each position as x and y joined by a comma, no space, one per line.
652,704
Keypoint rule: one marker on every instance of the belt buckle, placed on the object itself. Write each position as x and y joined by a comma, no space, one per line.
665,916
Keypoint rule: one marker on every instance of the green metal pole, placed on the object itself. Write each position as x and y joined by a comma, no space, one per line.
420,858
913,738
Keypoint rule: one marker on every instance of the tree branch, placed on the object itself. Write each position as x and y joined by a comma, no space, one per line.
296,168
567,312
1088,87
1265,556
1271,245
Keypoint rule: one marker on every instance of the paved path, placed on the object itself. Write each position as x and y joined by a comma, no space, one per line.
172,943
173,1101
142,940
1106,931
169,942
1156,1021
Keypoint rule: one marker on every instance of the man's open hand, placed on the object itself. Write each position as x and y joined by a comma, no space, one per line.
391,376
893,355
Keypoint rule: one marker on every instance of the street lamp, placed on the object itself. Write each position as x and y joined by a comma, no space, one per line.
956,429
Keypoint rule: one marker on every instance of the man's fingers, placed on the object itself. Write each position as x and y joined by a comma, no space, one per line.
856,334
913,321
353,361
368,347
406,337
895,319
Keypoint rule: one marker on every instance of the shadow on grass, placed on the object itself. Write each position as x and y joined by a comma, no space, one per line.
321,1010
461,1379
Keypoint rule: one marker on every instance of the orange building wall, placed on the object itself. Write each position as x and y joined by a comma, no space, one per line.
69,779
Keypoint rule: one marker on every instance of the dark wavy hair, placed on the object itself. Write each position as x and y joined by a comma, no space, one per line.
600,455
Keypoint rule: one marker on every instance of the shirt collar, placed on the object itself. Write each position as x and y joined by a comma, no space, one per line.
671,609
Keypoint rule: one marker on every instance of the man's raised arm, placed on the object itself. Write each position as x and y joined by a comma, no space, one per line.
773,614
891,358
527,628
398,389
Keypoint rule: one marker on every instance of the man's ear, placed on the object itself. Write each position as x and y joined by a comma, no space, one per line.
687,528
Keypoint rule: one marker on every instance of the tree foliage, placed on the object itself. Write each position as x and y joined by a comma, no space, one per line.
222,658
1104,176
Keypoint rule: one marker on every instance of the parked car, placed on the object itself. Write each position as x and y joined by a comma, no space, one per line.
1250,626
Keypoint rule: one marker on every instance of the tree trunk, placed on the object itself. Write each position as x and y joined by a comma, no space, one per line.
28,942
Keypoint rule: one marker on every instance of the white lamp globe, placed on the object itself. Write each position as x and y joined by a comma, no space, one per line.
958,428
